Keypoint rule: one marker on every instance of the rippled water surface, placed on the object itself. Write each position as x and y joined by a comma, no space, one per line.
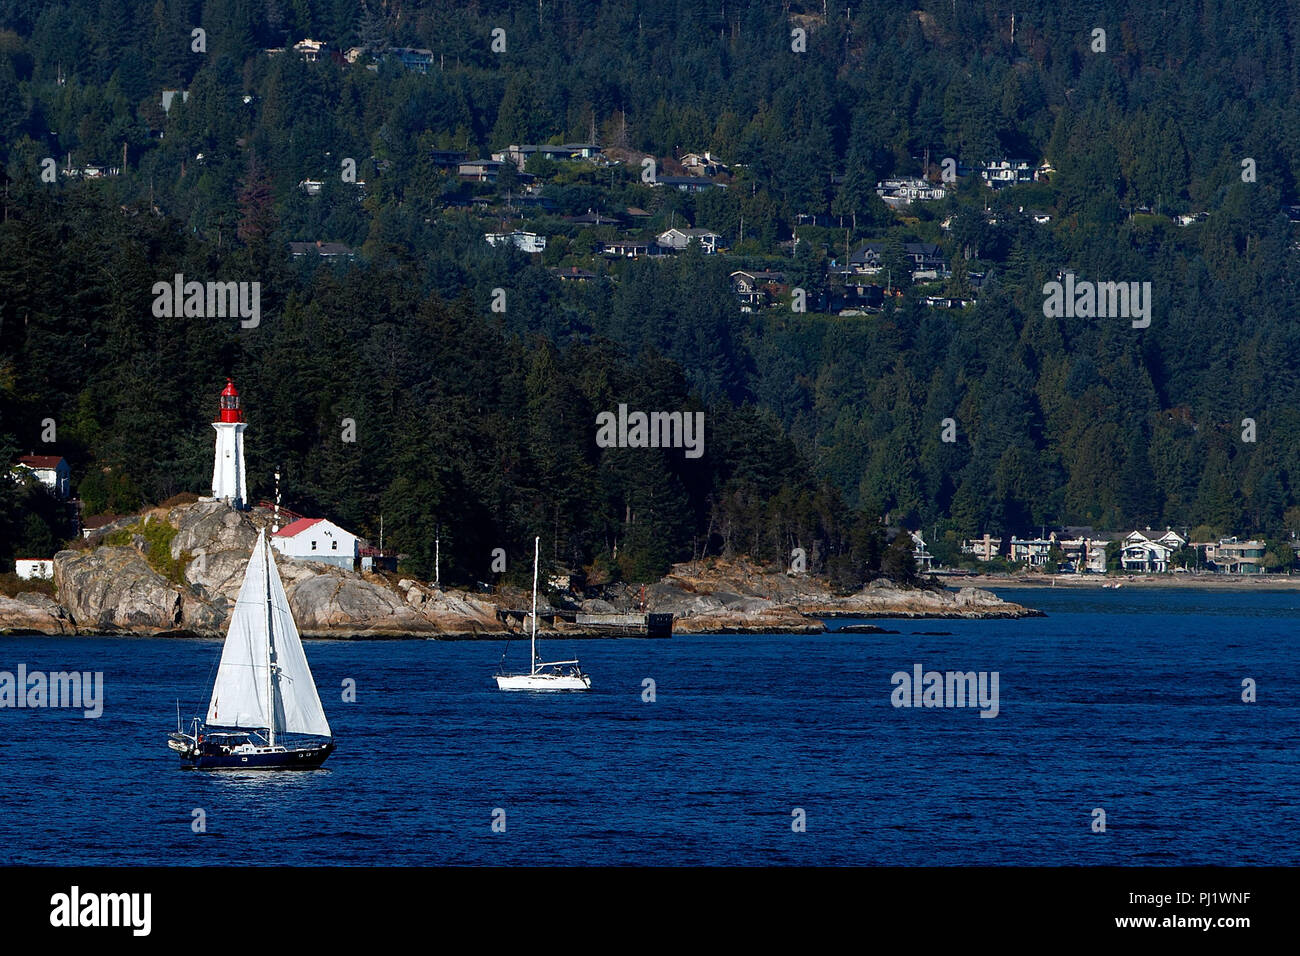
1127,700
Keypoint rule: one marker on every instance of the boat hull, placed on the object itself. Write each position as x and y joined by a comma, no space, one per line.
280,758
543,682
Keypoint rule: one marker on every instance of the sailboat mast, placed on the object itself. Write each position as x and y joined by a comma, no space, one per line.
532,668
270,678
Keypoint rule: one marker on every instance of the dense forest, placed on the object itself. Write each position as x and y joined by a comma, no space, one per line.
477,424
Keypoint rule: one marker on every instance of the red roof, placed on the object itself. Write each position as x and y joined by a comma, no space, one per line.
296,528
40,461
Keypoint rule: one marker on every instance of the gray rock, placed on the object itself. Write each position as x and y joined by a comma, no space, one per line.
32,613
115,590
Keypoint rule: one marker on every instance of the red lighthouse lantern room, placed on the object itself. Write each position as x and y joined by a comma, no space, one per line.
230,410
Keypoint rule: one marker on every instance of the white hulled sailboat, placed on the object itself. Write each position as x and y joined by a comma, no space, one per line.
553,675
265,712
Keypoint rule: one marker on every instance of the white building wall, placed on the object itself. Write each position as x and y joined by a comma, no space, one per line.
228,465
29,568
324,541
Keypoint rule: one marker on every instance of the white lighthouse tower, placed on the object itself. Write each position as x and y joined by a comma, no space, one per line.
228,467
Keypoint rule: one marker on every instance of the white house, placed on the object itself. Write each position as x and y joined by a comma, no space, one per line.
523,241
28,568
984,549
679,239
1145,554
1035,552
924,559
317,539
50,470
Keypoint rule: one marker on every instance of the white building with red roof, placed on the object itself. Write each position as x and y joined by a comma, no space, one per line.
317,539
50,470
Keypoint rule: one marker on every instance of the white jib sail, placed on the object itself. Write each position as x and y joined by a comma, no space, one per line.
297,705
239,696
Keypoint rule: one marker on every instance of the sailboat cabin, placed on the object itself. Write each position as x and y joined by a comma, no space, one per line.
317,539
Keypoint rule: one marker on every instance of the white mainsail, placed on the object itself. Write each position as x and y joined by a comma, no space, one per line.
262,628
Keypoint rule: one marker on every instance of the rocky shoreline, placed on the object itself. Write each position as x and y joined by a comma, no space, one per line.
120,588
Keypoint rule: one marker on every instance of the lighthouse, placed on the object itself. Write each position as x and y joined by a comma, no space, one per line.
228,467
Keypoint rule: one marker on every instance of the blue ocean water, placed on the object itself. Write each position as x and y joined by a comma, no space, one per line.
1128,701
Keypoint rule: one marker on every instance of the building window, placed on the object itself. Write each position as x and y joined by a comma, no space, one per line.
313,544
334,545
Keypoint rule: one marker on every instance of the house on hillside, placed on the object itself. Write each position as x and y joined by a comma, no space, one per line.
597,218
479,170
521,154
687,184
324,250
920,553
311,50
629,248
679,239
529,242
52,471
926,259
414,59
903,192
702,164
448,158
317,539
573,274
757,288
34,569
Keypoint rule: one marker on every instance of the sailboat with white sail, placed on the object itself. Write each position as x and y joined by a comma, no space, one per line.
264,713
552,675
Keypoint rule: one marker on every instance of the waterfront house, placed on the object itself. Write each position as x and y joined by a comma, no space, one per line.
982,549
920,553
1034,552
1084,554
1143,554
1232,556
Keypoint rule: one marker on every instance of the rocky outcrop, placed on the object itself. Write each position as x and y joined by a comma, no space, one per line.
32,613
722,595
892,602
338,604
218,540
116,591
